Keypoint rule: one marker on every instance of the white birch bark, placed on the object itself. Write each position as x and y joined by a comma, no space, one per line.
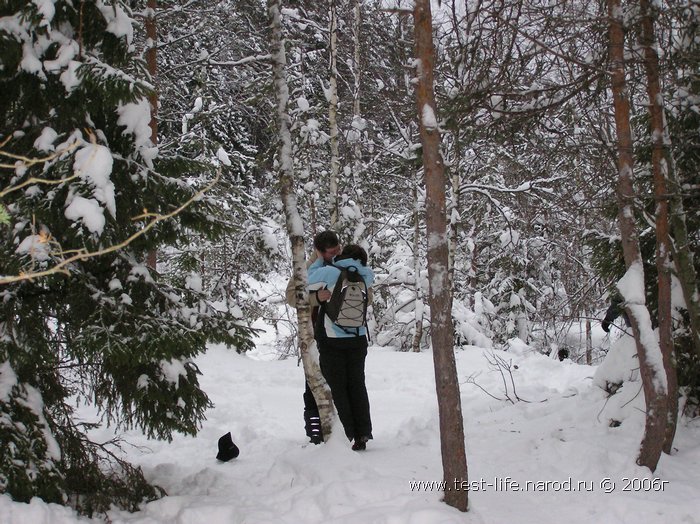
294,223
333,117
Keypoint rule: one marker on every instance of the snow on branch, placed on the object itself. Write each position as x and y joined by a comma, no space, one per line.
532,185
43,246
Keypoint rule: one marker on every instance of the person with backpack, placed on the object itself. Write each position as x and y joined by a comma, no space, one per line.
326,246
341,336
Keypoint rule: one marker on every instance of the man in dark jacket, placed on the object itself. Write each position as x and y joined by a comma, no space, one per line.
343,349
326,246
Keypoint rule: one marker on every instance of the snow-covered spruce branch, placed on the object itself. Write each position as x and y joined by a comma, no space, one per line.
28,162
83,254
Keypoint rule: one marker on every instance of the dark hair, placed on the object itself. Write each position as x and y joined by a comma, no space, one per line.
353,251
325,240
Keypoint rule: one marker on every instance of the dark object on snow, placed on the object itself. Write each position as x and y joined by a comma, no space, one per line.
615,310
227,449
313,426
563,354
360,443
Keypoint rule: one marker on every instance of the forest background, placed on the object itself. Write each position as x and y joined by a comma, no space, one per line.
529,141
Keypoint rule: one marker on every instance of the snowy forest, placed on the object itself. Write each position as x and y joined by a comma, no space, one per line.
514,168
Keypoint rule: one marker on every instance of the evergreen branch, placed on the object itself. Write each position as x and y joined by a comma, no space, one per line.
83,254
27,161
34,180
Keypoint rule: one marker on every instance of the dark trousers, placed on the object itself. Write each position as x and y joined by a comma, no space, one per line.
343,367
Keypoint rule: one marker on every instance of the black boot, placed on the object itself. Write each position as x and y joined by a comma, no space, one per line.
360,444
313,426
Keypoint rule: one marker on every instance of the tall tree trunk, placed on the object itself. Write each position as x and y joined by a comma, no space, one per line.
333,116
294,223
632,284
152,65
660,164
454,458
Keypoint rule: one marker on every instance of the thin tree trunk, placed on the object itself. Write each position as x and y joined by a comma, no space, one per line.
660,164
589,339
453,211
419,309
152,65
356,71
294,223
357,167
454,458
333,116
632,285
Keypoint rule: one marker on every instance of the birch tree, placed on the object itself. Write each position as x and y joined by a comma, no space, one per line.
333,114
294,223
454,459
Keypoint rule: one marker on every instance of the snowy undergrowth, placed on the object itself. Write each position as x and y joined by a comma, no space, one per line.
559,434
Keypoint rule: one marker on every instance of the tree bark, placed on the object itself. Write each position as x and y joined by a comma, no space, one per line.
294,223
632,285
589,339
333,117
454,459
660,164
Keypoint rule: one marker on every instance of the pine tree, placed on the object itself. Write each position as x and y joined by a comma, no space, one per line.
80,176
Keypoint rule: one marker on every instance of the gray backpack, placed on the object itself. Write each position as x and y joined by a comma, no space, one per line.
347,307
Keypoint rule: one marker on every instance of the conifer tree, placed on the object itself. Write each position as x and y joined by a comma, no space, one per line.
82,176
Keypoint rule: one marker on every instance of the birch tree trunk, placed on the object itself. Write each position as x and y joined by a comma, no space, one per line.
454,458
294,223
333,116
660,164
356,71
357,121
631,285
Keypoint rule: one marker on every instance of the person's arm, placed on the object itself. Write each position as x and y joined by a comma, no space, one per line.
290,293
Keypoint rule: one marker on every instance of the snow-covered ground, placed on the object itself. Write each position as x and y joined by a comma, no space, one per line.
550,458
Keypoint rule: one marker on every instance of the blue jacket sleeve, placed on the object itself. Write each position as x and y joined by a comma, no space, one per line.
323,274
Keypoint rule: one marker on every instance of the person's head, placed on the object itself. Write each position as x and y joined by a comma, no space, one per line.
327,244
355,252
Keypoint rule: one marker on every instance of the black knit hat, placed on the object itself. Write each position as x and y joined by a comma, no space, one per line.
227,449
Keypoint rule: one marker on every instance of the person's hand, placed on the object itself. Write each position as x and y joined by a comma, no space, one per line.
323,295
